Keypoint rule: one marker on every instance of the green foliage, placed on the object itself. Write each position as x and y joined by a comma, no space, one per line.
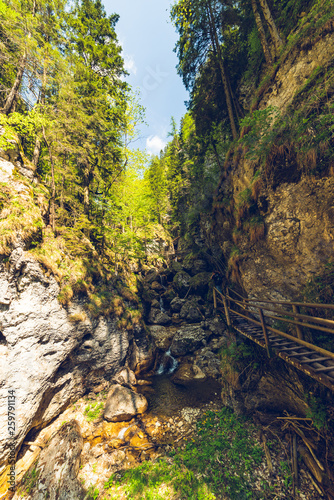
30,479
220,458
93,411
321,287
92,493
259,133
317,411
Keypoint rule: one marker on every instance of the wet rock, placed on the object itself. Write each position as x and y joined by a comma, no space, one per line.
162,336
156,286
187,373
158,317
188,339
155,304
181,283
168,296
125,377
58,467
190,312
151,275
176,304
200,283
123,404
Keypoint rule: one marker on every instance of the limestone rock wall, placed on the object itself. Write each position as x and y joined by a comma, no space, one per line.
46,359
297,212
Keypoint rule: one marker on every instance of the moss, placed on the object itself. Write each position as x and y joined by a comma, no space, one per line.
20,217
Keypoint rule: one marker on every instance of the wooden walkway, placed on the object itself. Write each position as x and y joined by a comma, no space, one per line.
254,323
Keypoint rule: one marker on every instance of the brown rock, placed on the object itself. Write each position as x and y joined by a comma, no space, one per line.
123,404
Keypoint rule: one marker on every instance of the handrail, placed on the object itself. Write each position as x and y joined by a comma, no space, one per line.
302,304
290,337
295,315
300,353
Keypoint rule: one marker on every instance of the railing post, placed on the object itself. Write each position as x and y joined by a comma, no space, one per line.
227,293
214,299
298,328
265,333
227,314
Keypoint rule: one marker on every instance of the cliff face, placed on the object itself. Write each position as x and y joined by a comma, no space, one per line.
293,223
48,357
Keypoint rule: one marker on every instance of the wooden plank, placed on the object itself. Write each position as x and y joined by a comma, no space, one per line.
313,360
301,354
324,369
293,348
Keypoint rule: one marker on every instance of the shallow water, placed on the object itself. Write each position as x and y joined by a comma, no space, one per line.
166,398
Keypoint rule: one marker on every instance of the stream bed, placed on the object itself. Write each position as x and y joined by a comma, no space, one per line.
167,398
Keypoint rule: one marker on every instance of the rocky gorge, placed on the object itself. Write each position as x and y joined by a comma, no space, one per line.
121,377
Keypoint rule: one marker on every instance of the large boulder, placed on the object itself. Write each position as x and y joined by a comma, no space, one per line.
194,265
125,377
176,304
157,317
142,356
188,373
55,475
151,275
149,295
181,283
200,283
162,336
123,404
156,286
190,312
168,296
188,339
199,266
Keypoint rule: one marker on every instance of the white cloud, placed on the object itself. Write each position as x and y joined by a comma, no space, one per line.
154,144
129,64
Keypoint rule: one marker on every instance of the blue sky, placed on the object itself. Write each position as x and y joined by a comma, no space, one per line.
148,38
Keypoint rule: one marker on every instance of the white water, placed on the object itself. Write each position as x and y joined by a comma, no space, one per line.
170,362
122,432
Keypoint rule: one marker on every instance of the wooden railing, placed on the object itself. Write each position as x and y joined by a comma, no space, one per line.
264,314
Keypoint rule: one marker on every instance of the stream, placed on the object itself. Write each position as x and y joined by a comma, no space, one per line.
166,398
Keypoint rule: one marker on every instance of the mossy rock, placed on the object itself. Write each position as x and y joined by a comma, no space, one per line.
169,295
200,283
176,267
181,283
149,295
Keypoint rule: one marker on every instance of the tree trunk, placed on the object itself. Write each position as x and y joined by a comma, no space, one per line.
37,152
262,34
37,149
216,154
10,101
216,47
86,179
278,42
53,186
